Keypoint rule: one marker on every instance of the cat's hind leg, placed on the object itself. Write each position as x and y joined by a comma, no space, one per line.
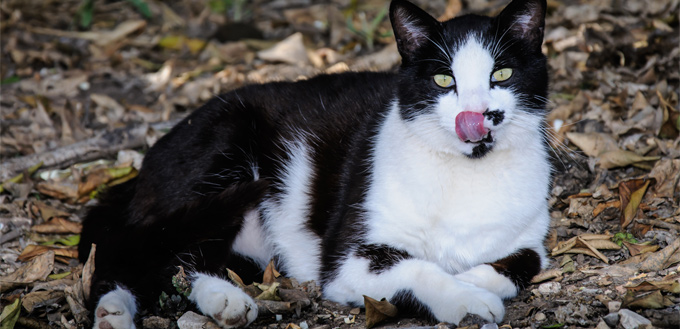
116,310
227,304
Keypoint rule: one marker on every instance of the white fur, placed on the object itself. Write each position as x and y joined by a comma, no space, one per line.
485,276
116,309
285,217
251,241
228,305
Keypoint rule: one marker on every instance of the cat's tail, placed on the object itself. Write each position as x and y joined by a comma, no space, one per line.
142,257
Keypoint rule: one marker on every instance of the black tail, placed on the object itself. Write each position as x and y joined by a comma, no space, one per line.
143,257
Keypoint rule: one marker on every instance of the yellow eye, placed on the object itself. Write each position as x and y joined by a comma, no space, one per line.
501,75
443,80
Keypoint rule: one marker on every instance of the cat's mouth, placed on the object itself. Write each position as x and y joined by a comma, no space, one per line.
488,138
470,128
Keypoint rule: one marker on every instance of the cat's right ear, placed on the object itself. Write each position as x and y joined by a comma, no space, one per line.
412,27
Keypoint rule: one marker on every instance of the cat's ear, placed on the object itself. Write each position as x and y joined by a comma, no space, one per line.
525,19
412,27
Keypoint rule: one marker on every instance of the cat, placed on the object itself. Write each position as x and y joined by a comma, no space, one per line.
427,186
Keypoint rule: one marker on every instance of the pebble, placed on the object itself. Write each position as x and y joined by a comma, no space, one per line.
614,306
539,316
191,320
490,326
612,319
602,325
632,320
549,288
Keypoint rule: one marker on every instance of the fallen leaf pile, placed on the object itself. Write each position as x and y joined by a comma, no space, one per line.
88,86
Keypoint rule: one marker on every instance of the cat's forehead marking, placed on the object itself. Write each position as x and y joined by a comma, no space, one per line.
472,64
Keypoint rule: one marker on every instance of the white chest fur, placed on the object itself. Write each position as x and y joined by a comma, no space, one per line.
452,210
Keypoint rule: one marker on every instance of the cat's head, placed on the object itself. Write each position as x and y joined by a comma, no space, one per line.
472,84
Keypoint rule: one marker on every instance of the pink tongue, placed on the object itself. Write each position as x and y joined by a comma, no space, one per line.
470,126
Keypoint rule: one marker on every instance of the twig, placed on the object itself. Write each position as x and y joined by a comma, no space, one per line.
100,146
659,223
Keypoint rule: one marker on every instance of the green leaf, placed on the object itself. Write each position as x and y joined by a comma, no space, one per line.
552,326
10,314
618,238
58,276
10,80
85,12
70,240
142,7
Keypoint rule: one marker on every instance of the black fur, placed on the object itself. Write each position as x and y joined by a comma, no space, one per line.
519,267
382,256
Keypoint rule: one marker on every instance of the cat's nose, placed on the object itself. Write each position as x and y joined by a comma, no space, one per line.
476,107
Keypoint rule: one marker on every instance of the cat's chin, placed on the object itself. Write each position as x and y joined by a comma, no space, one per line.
477,150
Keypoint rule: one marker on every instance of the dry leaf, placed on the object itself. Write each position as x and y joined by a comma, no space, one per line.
377,311
64,190
576,245
32,251
636,249
269,292
58,225
88,272
47,211
101,176
546,275
290,50
35,270
604,205
621,158
653,300
667,175
672,286
235,278
593,144
662,259
270,274
631,193
40,298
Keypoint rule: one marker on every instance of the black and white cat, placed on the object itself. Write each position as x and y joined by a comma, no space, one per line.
427,187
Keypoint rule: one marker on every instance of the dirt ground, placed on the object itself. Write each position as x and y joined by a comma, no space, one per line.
87,86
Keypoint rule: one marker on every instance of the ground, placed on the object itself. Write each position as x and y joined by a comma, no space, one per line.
87,86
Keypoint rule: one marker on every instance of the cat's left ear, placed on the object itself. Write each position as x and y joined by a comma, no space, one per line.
525,19
412,28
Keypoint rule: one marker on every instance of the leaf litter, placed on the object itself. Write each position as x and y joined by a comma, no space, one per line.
69,94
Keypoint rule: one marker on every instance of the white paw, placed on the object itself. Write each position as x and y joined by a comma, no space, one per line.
115,310
228,305
469,299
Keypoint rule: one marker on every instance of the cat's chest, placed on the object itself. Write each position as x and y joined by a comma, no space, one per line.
456,212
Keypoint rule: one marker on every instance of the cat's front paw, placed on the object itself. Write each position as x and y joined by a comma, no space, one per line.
228,305
115,310
469,299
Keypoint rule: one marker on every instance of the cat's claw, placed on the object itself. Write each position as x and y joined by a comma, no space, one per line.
228,305
116,310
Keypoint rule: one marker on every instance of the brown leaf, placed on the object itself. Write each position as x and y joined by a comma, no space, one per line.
58,225
37,269
662,259
604,205
62,190
88,272
631,193
47,211
377,311
672,286
621,158
40,298
453,7
270,274
235,278
636,249
667,175
577,245
593,144
552,274
32,251
100,176
653,300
